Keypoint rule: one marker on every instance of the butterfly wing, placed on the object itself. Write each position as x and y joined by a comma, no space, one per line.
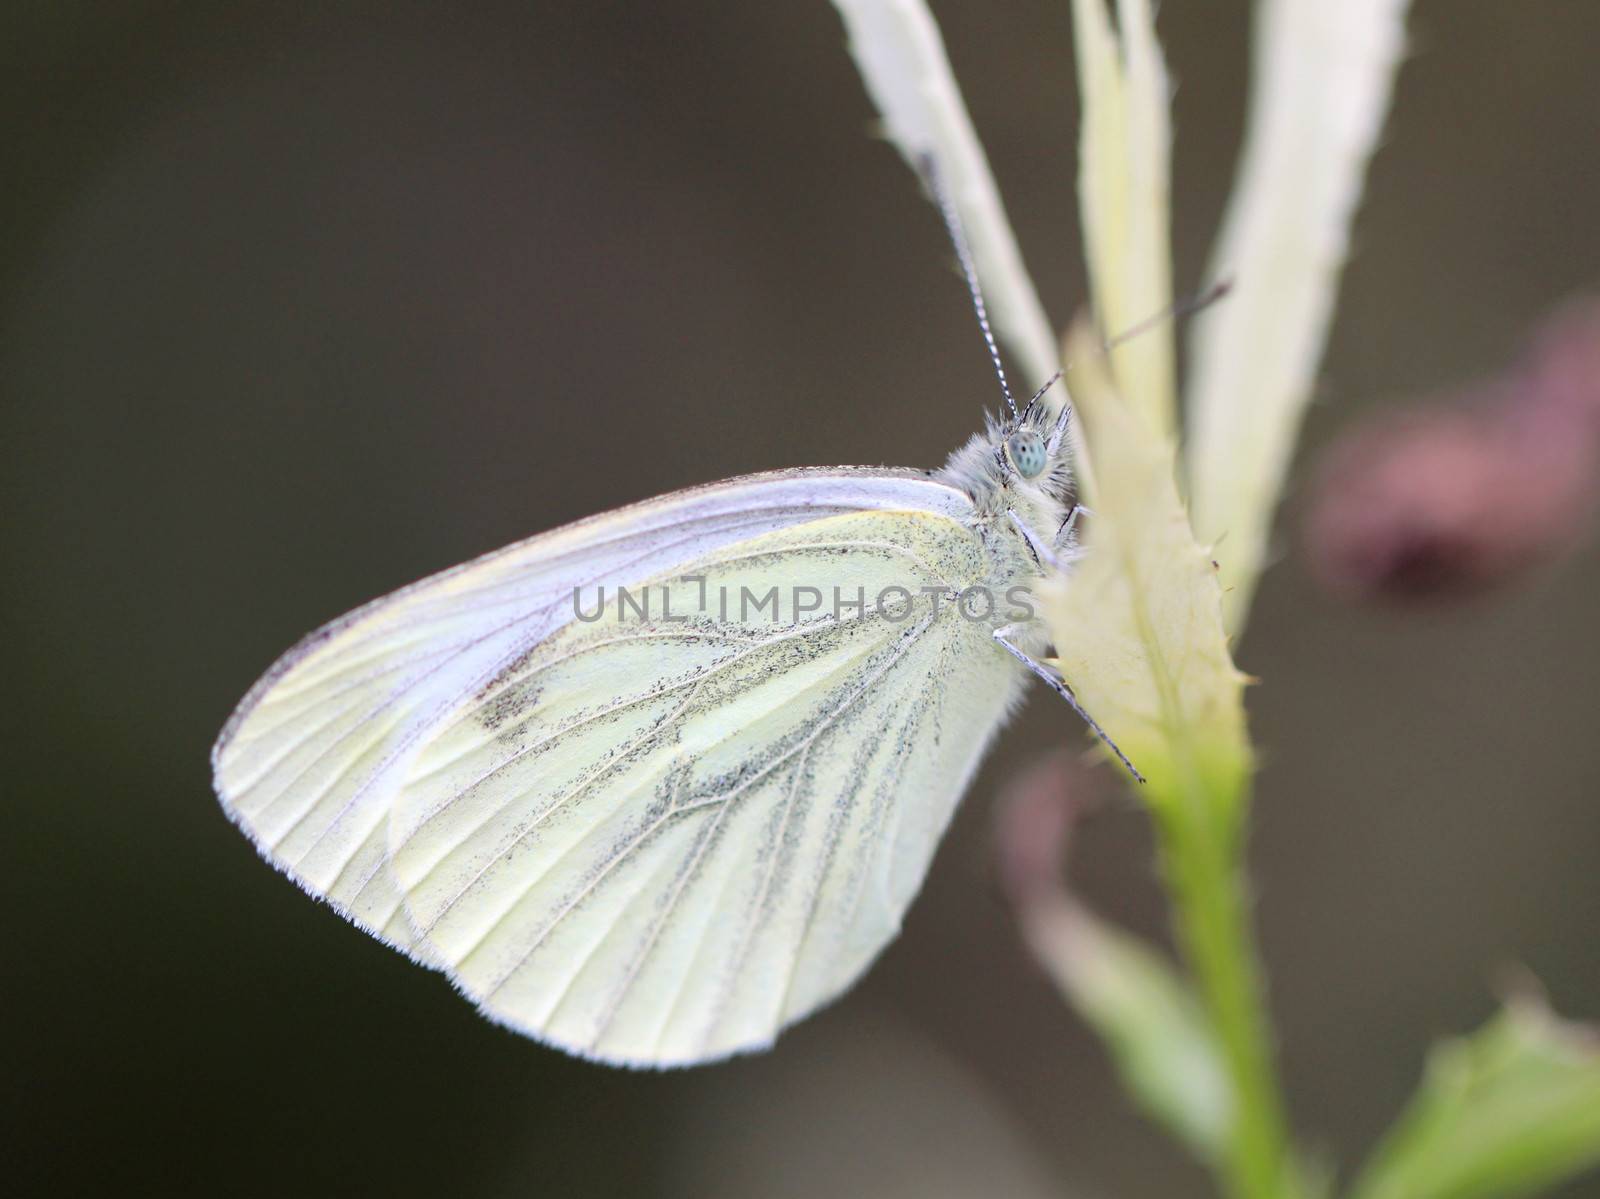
650,840
309,763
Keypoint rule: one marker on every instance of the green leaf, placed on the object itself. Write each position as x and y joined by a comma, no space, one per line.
1511,1109
1137,626
1150,1021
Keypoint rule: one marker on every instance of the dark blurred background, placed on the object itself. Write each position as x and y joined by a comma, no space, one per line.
299,302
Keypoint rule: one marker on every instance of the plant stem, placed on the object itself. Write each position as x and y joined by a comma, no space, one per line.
1203,853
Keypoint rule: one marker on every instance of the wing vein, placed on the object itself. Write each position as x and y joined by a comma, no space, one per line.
907,640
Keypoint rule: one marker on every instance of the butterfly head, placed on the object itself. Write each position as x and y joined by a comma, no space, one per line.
1020,460
1030,442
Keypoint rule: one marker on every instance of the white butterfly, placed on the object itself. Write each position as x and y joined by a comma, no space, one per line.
657,837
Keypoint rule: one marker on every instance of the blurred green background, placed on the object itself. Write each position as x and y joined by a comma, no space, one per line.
299,302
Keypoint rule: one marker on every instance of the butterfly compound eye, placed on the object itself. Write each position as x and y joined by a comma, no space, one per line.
1027,453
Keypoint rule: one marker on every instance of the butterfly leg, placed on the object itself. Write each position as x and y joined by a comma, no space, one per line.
1042,553
1052,677
1068,526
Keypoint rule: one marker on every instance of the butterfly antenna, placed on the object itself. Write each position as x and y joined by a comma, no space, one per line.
958,236
1187,306
1039,395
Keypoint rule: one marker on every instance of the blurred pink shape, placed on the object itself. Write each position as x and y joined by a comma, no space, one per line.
1454,498
1034,821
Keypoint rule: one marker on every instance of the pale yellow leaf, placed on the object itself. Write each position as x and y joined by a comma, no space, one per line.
901,57
1124,194
1319,91
1137,622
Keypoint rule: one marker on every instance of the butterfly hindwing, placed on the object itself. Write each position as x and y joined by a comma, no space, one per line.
658,841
